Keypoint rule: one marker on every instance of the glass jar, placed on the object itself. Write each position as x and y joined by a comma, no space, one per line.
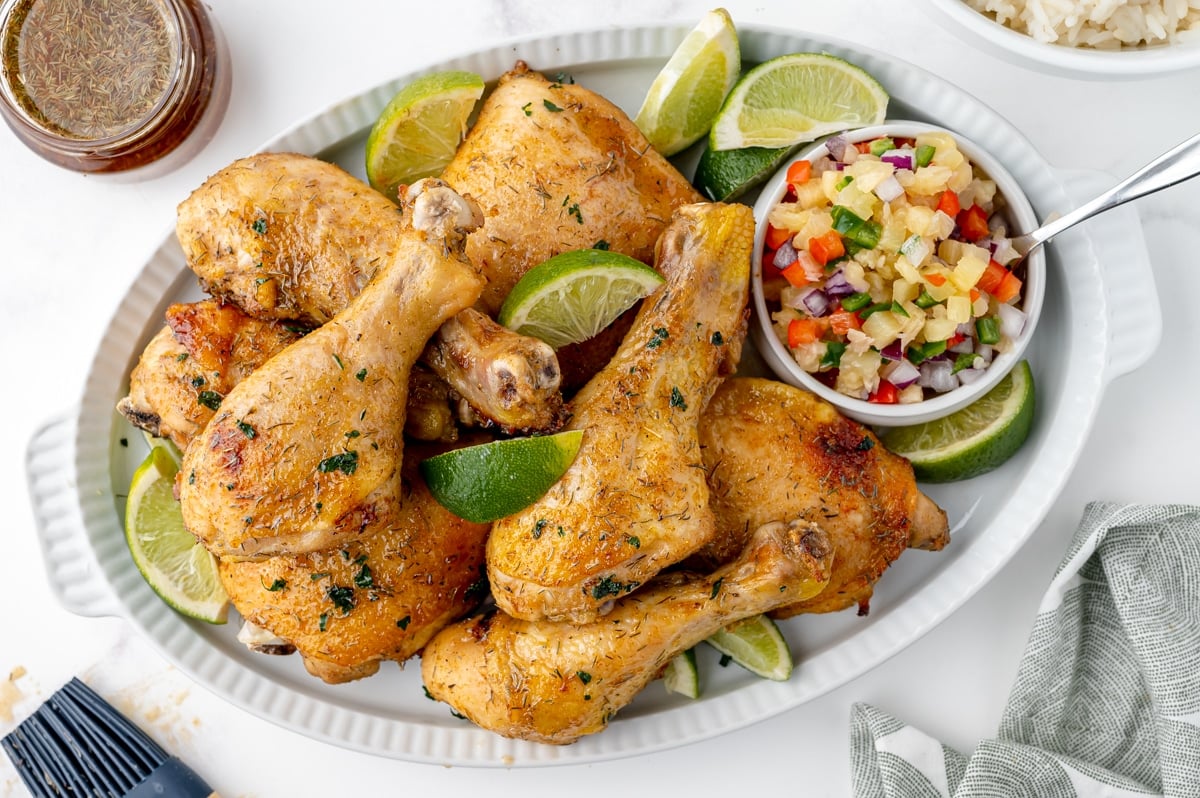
112,85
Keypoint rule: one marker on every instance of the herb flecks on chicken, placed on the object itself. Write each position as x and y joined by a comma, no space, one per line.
635,499
304,452
554,682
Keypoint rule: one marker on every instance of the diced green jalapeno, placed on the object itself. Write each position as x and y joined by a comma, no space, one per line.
925,154
880,146
833,354
987,330
964,361
854,228
925,300
856,301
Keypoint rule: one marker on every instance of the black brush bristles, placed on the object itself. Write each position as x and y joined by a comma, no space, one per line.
76,744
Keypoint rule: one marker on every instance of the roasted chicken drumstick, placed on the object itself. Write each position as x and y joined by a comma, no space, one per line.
304,451
635,499
554,682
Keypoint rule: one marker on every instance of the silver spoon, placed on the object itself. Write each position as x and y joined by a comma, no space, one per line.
1174,166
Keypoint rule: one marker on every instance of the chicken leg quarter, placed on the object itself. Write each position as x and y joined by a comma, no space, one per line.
554,682
302,451
635,500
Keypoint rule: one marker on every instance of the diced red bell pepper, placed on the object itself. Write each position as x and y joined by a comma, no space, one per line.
1009,288
948,204
826,247
799,173
776,236
796,275
990,279
885,394
973,224
803,331
843,321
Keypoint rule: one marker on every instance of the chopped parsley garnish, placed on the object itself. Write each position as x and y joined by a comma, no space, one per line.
260,226
346,462
584,676
360,375
404,622
660,334
866,444
342,597
538,527
716,588
634,540
182,356
125,442
601,244
551,106
677,399
210,399
338,360
610,587
526,108
318,575
363,578
323,621
247,430
717,339
574,211
198,381
563,77
277,585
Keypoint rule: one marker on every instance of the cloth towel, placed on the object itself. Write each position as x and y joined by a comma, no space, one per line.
1107,697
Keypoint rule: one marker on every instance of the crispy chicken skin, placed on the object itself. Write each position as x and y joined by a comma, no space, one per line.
287,236
635,499
778,453
306,451
555,682
556,167
381,597
206,348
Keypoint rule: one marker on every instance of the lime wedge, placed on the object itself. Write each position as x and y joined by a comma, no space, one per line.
757,645
181,571
166,443
724,175
571,297
491,480
682,676
973,440
685,96
796,98
420,129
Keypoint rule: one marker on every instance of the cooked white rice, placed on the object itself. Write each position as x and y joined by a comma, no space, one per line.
1101,24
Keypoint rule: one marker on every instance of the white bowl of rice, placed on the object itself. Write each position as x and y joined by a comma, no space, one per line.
1083,38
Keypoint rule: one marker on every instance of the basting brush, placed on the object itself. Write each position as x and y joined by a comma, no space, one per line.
77,744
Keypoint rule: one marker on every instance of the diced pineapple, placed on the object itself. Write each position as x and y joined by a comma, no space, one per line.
942,225
941,141
950,250
904,291
829,181
883,326
810,195
858,374
893,235
927,180
863,204
915,250
958,309
878,287
919,220
907,270
911,395
961,178
939,329
970,267
808,356
868,173
855,275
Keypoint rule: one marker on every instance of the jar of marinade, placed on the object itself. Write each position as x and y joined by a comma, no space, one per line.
112,85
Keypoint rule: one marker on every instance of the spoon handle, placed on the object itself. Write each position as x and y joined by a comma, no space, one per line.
1174,166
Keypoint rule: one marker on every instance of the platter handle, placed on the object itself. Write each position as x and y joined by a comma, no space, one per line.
1134,313
71,566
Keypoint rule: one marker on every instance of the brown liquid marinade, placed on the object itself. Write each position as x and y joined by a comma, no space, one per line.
90,70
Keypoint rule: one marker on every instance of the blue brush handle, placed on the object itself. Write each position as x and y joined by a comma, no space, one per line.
172,779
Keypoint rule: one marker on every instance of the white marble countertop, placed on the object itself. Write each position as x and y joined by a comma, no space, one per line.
70,246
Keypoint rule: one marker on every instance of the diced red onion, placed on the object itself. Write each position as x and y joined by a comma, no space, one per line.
938,376
901,159
966,328
985,351
812,270
836,146
1012,321
1003,251
784,256
968,376
837,286
893,351
816,302
900,373
889,188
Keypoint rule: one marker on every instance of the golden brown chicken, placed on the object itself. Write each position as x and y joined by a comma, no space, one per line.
556,167
778,453
380,597
305,452
635,499
206,348
555,682
287,236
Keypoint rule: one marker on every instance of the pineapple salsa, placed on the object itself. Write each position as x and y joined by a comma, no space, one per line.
886,266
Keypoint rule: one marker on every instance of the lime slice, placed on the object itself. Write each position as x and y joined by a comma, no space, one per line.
757,645
420,129
166,443
724,175
181,571
797,98
685,96
571,297
682,676
973,440
491,480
